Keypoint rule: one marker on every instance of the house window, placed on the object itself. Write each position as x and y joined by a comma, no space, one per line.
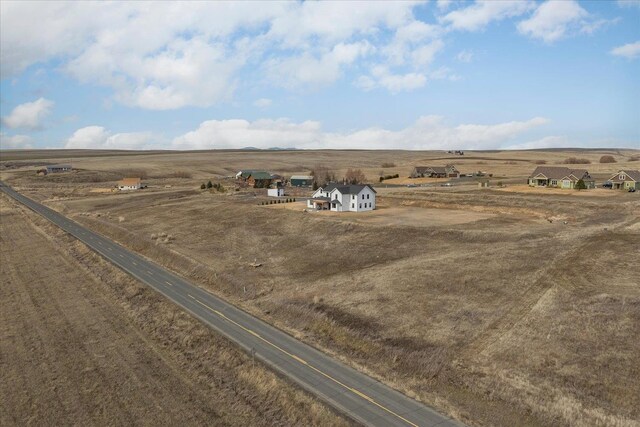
353,205
360,206
367,196
554,182
621,177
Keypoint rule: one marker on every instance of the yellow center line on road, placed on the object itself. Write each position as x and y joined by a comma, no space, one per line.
134,263
170,284
298,359
149,271
121,256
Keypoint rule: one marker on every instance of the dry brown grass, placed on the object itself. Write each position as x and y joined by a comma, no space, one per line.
576,161
442,310
83,343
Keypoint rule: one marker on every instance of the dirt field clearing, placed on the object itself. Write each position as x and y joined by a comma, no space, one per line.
76,350
393,216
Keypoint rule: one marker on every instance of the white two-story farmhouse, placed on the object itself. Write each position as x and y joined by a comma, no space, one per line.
343,198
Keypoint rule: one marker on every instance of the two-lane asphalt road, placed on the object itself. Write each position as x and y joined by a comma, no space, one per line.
353,393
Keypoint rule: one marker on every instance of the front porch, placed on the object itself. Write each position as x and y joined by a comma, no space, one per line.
324,204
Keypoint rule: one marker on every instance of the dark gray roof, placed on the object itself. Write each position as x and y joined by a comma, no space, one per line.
559,172
346,189
631,173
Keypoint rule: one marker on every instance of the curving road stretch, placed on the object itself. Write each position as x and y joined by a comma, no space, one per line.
357,395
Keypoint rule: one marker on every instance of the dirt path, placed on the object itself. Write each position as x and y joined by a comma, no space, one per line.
72,354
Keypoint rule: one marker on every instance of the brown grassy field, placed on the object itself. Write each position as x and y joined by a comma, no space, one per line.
500,306
83,344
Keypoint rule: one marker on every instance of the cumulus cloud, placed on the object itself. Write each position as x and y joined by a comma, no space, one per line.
97,137
629,3
12,142
303,24
553,141
554,19
217,134
482,13
381,77
629,50
465,56
428,132
29,115
309,71
262,103
168,55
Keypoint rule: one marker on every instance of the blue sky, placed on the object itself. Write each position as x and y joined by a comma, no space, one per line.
380,75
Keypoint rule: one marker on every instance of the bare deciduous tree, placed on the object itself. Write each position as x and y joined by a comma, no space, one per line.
354,176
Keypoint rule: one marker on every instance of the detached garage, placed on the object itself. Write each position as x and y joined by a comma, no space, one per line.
301,181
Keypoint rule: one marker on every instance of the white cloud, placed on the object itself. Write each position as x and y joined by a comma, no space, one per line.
97,137
409,38
303,24
444,4
482,13
308,71
394,83
546,142
15,141
168,55
262,103
629,50
553,19
465,56
629,3
242,133
29,115
428,132
423,56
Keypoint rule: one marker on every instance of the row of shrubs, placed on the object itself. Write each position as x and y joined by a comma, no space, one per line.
382,178
217,186
274,202
582,161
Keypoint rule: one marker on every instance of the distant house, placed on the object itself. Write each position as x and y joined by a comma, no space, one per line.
58,168
276,179
625,179
343,198
448,171
129,184
256,179
559,177
275,192
301,181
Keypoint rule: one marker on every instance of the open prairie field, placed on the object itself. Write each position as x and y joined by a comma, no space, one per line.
83,344
499,306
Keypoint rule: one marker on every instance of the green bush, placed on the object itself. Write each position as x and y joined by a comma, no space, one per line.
202,187
209,184
580,185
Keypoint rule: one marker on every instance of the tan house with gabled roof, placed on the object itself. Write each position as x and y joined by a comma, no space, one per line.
559,177
626,179
448,171
129,184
